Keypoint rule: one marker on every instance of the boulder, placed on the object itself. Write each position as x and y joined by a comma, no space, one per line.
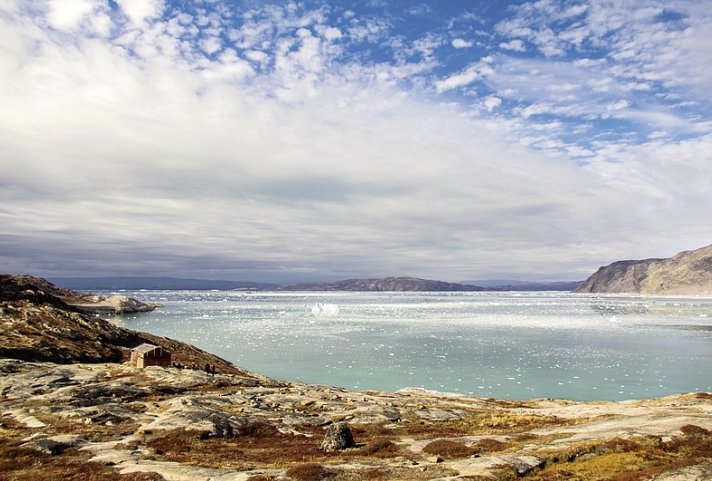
54,445
338,436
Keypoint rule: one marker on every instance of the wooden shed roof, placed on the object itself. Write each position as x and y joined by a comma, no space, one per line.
144,348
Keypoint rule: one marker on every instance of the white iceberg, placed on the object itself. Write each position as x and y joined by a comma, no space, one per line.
323,309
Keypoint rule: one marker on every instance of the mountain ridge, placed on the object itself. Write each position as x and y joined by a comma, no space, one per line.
384,284
686,273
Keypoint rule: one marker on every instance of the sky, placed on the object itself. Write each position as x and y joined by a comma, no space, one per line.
306,141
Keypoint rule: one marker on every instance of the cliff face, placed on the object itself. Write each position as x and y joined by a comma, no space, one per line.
386,284
688,272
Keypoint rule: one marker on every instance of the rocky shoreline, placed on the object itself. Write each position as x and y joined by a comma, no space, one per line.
183,424
89,415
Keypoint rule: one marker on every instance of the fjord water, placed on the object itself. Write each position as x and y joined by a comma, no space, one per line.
504,345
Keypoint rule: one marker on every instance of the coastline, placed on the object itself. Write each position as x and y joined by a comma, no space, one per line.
108,420
188,425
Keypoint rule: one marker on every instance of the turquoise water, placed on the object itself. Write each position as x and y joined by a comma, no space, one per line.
504,345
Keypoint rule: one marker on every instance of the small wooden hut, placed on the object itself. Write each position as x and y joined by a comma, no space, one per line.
150,355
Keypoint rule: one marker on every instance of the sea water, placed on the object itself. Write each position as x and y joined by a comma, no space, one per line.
504,345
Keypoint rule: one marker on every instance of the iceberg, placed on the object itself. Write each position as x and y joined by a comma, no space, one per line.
322,309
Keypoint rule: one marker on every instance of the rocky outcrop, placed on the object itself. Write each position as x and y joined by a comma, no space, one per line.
386,284
42,322
40,291
688,272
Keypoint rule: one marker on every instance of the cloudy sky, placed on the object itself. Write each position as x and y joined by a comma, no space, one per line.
283,141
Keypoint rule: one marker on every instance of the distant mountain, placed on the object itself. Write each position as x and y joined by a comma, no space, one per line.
384,284
153,283
688,272
512,285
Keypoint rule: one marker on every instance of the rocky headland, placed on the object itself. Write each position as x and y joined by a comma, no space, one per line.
687,273
98,418
40,291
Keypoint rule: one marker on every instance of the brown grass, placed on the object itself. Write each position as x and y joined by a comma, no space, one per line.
308,472
498,422
254,445
489,446
95,432
379,447
692,430
448,449
24,464
630,459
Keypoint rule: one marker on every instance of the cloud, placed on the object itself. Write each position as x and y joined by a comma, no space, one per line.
145,154
139,11
515,45
465,77
461,79
68,14
492,103
284,143
461,43
211,45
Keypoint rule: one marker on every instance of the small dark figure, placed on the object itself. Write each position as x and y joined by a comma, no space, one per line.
212,369
207,369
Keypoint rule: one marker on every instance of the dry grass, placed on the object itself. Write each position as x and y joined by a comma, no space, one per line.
630,459
489,446
24,464
308,472
448,449
379,447
497,422
254,445
95,432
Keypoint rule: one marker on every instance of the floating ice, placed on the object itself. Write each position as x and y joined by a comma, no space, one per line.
323,309
554,345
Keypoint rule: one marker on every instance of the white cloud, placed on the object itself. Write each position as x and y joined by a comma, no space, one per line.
461,43
211,45
535,109
515,45
461,79
466,76
619,105
332,33
256,56
69,14
139,11
491,103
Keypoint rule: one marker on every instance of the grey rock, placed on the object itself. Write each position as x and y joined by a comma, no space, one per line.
524,464
699,472
54,445
338,436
